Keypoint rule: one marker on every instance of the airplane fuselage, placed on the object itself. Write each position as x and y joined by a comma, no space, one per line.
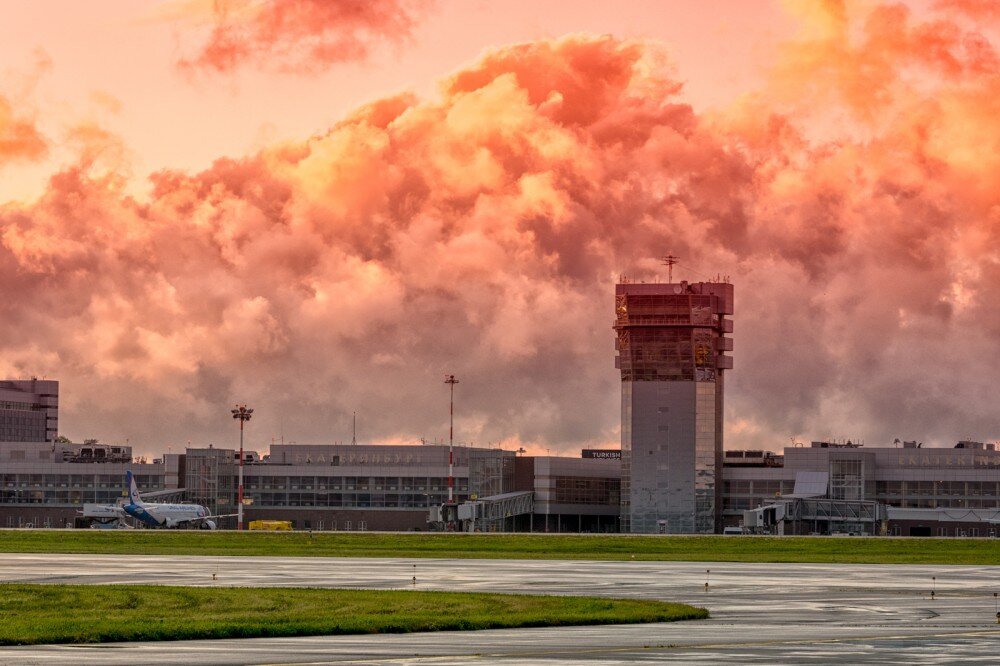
165,515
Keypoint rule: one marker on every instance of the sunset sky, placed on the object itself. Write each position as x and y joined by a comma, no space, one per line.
320,207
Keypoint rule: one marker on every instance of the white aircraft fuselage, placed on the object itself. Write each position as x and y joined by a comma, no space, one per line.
164,515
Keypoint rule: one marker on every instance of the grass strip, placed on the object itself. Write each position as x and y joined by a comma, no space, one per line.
848,550
34,614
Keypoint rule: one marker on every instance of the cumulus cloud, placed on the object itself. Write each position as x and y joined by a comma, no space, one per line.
481,233
295,35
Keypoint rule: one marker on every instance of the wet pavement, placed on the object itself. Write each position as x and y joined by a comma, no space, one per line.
761,613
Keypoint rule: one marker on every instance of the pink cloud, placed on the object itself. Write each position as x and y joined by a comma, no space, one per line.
301,35
480,233
20,138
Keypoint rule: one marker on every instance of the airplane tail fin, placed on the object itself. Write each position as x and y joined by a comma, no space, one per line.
133,490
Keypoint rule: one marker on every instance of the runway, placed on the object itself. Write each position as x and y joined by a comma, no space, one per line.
761,613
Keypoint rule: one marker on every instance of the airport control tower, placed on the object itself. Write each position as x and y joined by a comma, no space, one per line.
671,343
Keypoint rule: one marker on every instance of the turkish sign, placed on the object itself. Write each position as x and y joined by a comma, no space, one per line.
604,454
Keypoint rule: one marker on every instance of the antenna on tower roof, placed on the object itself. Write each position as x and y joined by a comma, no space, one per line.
669,262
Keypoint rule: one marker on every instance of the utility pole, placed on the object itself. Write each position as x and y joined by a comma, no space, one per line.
243,415
354,429
451,381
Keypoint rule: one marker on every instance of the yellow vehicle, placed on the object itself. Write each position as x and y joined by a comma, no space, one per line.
271,525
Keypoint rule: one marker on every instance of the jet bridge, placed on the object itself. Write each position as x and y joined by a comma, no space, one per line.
843,511
804,515
490,514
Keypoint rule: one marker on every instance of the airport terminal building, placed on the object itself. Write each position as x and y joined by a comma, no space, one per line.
823,488
319,487
904,490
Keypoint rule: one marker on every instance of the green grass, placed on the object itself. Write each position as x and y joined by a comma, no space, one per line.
878,550
33,614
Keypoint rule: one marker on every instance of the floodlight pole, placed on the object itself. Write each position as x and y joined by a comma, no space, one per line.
451,381
243,415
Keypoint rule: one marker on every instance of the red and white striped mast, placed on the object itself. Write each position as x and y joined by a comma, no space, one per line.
451,381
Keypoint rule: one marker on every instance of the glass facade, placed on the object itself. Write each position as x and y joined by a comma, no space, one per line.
665,337
939,494
669,450
393,492
743,494
211,480
602,491
491,471
626,483
847,482
98,486
705,458
29,410
22,424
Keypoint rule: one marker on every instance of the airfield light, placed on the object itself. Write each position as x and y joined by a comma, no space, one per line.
243,415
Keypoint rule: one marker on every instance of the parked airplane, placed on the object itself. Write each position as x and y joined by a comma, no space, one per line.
166,515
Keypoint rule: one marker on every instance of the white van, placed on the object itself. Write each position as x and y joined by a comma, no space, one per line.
730,531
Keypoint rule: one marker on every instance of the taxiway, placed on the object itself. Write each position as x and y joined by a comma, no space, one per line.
761,613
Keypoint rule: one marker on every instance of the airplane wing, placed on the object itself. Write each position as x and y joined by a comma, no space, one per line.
162,493
195,521
103,511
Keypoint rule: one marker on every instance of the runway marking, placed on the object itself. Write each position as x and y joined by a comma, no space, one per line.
638,648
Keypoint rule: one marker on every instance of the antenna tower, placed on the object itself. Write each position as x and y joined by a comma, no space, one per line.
669,262
451,381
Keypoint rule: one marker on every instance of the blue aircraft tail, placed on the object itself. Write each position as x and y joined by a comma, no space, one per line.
132,489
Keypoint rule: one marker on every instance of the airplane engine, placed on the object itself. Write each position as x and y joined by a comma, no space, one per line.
169,523
208,525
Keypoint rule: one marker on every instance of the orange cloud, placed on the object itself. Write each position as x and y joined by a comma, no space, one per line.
977,9
858,58
298,35
20,139
480,233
